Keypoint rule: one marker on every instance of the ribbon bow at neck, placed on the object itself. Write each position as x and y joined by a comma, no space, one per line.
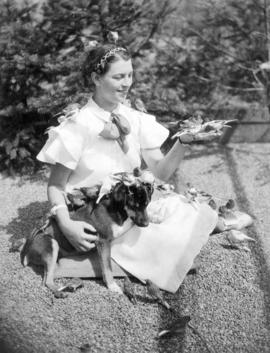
117,129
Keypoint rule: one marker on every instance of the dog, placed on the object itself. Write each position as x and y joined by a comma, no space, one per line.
126,201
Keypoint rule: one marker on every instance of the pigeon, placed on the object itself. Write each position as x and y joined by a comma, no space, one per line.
139,105
17,245
265,66
222,210
106,187
201,131
235,236
230,204
176,327
59,294
85,348
212,204
129,290
217,125
72,285
112,37
155,292
147,177
226,212
70,112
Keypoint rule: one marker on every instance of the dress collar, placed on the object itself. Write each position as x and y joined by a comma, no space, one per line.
100,112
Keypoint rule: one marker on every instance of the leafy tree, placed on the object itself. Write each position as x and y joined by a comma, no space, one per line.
231,44
189,57
41,55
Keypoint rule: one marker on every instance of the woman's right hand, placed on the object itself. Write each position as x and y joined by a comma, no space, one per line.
80,234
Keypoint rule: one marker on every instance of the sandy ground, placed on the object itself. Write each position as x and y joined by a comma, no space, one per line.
228,298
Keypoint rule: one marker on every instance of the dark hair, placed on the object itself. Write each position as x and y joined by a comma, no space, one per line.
93,57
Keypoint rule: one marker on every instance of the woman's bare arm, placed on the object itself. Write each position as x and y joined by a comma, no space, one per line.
73,230
56,188
164,166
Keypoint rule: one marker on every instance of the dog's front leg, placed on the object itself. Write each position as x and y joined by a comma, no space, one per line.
104,250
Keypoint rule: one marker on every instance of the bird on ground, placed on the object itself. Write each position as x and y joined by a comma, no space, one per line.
155,292
235,236
86,348
129,290
17,245
72,285
176,327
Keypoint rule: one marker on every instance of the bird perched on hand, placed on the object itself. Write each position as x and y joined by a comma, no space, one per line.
155,292
129,290
217,125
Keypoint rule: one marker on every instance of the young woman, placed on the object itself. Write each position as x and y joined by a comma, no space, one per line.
107,136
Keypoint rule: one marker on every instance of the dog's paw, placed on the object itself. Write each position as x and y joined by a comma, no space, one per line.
113,287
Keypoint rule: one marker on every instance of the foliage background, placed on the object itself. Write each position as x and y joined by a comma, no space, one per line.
199,57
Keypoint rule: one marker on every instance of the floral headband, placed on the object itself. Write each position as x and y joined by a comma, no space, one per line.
103,60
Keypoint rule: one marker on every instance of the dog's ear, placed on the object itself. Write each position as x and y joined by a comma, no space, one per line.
76,198
91,193
149,188
119,192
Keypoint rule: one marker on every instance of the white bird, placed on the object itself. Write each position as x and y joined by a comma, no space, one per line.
112,37
106,186
139,105
265,66
217,125
235,236
147,177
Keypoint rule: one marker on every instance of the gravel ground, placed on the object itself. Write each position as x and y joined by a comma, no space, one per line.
228,298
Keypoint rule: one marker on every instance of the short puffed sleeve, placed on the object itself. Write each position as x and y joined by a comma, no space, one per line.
152,133
65,144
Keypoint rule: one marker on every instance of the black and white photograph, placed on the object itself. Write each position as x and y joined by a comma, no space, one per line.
134,176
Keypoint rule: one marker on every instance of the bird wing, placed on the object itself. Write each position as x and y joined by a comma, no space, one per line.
236,235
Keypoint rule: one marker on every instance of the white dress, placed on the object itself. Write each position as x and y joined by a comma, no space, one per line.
161,252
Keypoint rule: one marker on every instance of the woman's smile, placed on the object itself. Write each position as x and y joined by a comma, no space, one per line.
113,87
123,92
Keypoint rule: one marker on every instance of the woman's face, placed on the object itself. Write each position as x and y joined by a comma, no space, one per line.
114,85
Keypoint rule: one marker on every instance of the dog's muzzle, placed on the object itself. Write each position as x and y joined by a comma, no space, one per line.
141,219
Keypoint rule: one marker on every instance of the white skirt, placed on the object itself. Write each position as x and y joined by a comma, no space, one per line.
164,252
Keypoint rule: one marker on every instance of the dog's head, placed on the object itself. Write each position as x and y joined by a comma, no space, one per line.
138,198
129,196
134,197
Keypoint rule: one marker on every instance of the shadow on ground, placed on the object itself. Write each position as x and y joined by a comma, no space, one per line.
29,217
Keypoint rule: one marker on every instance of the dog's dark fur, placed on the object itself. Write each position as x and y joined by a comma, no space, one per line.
47,244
